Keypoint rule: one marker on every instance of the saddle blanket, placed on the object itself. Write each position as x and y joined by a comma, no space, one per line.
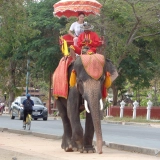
60,78
93,65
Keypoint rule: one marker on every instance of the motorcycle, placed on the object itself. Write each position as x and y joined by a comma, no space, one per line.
2,108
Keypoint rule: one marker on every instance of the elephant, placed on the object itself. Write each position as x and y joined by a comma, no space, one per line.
87,91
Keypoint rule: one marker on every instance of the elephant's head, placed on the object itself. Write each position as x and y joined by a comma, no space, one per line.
90,79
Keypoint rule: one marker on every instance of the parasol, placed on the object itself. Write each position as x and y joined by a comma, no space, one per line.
70,8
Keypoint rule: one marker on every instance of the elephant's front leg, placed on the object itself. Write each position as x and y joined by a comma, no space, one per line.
66,138
73,104
88,136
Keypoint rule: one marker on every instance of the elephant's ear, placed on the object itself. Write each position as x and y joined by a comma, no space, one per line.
109,67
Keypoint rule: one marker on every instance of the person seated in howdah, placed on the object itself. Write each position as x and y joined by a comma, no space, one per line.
76,27
87,43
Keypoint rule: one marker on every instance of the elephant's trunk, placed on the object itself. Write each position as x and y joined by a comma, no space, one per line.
93,92
95,112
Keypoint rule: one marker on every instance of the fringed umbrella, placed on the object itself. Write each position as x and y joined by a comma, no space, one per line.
69,8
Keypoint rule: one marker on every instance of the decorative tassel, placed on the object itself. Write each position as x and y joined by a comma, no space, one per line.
64,46
104,92
107,82
72,80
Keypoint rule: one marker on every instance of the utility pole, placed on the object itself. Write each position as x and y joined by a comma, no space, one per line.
49,105
27,76
5,96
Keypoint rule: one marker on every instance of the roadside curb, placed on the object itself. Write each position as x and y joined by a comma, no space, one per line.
27,132
148,151
127,123
132,123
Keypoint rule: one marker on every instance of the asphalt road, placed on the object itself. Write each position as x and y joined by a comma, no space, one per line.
133,135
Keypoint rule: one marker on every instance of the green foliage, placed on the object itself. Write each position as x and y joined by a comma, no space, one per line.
131,28
14,33
106,104
14,30
44,48
83,115
144,101
30,31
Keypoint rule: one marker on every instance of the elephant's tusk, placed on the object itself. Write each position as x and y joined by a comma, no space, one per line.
86,106
101,104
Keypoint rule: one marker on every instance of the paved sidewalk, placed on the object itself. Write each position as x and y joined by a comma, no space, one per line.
28,147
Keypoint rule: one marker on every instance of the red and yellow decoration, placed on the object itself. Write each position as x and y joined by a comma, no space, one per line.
60,78
93,65
106,85
64,47
87,36
69,8
107,82
104,92
72,81
91,51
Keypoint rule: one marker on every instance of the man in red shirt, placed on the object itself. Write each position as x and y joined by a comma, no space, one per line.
87,42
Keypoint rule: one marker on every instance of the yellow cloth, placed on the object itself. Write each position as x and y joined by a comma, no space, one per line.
72,80
64,47
107,82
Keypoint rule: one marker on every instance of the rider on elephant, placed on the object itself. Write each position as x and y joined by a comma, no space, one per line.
87,42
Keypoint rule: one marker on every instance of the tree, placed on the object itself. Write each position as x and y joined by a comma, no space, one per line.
128,27
14,32
127,23
44,48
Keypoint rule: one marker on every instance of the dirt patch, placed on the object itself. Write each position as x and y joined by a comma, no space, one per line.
28,147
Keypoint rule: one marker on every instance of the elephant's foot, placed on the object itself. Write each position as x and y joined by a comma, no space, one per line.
71,146
77,146
67,148
66,145
89,149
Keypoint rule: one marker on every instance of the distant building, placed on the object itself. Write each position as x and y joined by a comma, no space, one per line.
32,91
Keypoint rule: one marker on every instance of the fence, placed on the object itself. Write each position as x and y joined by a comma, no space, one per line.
123,111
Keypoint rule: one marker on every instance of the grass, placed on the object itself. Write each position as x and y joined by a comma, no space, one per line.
129,119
